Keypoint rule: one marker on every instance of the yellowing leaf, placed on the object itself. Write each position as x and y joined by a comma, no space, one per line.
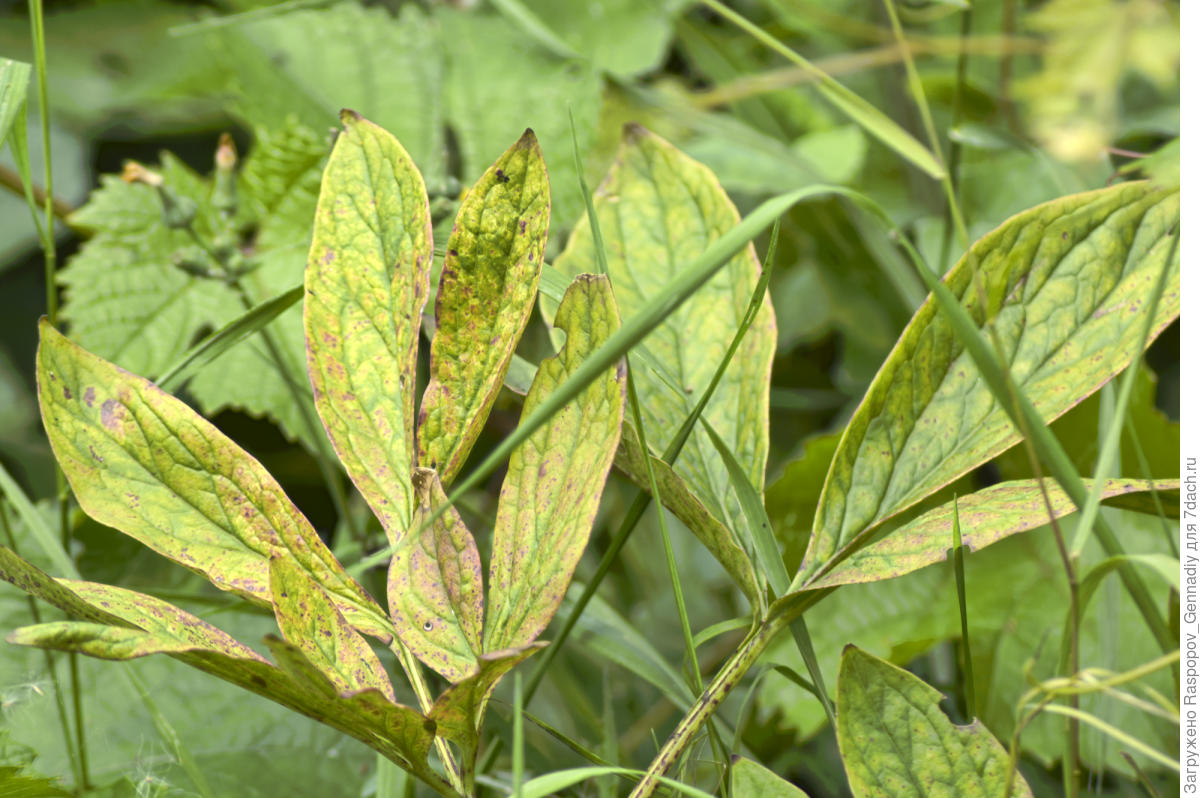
552,489
1065,286
986,517
435,586
143,462
489,282
658,210
896,742
365,286
311,622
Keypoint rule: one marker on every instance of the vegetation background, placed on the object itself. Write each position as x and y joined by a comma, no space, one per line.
1033,100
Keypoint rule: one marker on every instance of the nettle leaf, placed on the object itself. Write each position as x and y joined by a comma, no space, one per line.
896,741
487,289
125,298
1065,287
366,283
658,210
552,489
751,780
986,517
140,460
312,623
435,586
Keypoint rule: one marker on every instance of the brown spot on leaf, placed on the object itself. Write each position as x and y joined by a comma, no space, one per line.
111,414
89,395
503,178
66,392
327,258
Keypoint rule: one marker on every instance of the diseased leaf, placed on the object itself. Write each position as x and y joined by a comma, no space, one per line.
658,211
552,489
311,622
1063,287
987,516
896,741
458,712
488,284
485,122
435,586
752,780
679,499
122,623
366,283
143,462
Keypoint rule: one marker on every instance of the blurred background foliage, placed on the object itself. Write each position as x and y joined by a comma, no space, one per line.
1034,100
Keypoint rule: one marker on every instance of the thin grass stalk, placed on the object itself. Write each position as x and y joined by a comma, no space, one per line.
416,678
36,613
518,737
954,161
960,586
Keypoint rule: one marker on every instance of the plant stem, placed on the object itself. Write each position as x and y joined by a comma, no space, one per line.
10,180
751,648
412,670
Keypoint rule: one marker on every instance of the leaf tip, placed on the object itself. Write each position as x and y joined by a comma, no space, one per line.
350,117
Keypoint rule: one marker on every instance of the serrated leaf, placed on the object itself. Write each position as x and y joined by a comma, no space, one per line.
896,741
986,517
487,289
752,780
124,297
485,122
312,623
435,586
308,63
658,211
552,489
1065,286
366,283
143,462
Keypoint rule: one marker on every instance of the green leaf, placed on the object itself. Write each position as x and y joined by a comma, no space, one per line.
896,741
15,784
312,623
306,64
553,783
485,122
986,517
229,336
487,289
435,586
792,499
125,298
623,37
659,210
143,462
366,283
928,417
752,780
552,489
14,83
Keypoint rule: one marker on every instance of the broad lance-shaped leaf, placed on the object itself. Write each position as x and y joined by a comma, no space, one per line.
120,624
658,210
487,288
986,517
140,460
435,585
1065,287
552,489
365,286
312,623
896,742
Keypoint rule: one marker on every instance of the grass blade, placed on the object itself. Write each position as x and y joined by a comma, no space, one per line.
960,585
227,337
